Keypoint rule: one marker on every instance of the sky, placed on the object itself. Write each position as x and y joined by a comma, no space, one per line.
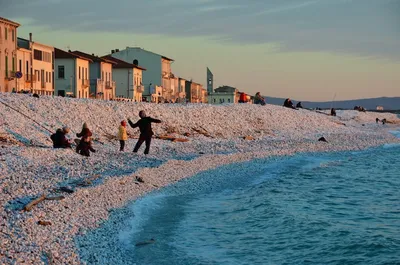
302,49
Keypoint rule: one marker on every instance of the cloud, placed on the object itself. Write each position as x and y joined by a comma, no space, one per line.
362,27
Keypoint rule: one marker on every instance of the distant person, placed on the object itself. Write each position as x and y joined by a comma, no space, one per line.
84,146
288,104
258,99
377,120
299,105
333,112
59,138
122,136
383,121
146,133
242,97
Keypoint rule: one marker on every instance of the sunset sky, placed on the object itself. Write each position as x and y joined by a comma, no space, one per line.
302,49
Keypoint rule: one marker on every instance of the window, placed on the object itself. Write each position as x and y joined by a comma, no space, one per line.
20,65
79,73
61,72
6,66
86,73
50,74
47,77
37,54
13,35
5,33
102,75
27,67
83,73
214,100
13,64
229,100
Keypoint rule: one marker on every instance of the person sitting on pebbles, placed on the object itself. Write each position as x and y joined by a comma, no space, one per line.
85,144
146,132
59,138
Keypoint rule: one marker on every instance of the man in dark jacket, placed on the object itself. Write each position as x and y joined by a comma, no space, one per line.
146,132
59,139
288,104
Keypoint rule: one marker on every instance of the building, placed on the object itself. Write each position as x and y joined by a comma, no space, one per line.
181,89
158,73
223,94
102,84
210,81
71,74
8,55
128,78
379,108
36,63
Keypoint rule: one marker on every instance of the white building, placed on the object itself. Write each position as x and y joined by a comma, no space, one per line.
71,74
102,84
36,63
128,78
223,94
158,71
8,55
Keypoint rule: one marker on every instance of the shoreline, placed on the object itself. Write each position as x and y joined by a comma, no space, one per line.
31,171
133,217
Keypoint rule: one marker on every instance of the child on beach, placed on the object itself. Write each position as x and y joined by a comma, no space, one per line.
146,132
85,144
122,135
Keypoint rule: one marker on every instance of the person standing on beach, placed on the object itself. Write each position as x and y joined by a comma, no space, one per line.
122,136
146,132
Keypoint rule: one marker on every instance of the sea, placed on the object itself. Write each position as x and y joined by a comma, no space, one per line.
310,208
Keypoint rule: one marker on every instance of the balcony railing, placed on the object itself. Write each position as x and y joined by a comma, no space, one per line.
10,75
30,78
110,84
85,83
139,89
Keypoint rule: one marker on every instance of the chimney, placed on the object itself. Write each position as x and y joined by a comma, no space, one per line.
30,37
116,50
112,51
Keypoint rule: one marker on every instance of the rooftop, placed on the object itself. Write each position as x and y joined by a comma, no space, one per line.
138,48
93,57
121,64
7,21
60,54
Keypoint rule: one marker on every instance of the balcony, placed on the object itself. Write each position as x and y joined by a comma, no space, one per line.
10,75
85,83
110,84
30,78
139,89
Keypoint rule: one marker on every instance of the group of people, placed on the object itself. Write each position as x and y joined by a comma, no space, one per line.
84,144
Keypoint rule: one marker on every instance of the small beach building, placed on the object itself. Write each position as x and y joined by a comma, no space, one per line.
128,78
223,94
8,55
71,74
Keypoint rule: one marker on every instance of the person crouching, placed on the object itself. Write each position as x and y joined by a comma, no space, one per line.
85,144
122,136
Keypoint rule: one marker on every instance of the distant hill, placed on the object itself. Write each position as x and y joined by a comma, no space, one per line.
387,103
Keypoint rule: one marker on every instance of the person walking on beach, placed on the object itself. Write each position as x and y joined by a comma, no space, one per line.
146,132
122,136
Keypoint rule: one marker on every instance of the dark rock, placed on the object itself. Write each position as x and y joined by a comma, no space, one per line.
322,139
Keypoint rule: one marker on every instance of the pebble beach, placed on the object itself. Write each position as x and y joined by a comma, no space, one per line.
211,136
